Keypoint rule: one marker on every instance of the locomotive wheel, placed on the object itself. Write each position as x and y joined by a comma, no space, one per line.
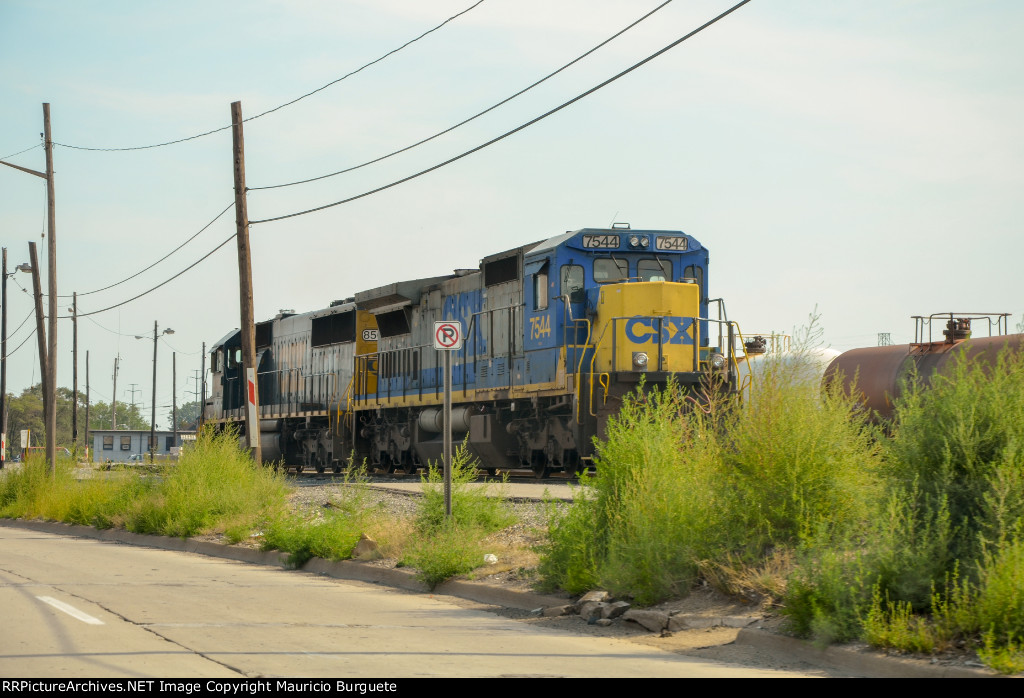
492,471
298,468
408,467
336,469
320,469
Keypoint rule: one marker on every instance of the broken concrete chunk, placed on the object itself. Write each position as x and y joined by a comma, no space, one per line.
614,609
552,611
592,610
655,621
596,596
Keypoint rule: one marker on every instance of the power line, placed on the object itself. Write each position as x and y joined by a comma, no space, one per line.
8,157
30,313
166,281
107,329
216,218
286,104
29,336
516,129
475,116
176,350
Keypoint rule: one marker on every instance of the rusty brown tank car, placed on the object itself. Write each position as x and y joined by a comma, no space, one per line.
878,375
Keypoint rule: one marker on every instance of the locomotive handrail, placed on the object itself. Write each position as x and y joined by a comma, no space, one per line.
593,358
579,369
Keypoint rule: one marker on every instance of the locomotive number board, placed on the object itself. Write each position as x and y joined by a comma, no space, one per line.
675,244
601,242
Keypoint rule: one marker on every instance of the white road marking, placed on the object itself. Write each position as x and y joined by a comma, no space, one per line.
70,610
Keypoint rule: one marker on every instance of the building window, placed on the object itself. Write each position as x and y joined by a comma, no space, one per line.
170,443
126,443
108,443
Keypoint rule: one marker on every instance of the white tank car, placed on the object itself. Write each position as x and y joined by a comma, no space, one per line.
804,367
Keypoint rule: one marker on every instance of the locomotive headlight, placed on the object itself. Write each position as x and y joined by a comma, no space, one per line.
639,360
634,240
717,362
644,242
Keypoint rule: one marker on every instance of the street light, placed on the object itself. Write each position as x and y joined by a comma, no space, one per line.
27,268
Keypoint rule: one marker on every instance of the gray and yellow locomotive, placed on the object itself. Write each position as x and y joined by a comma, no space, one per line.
555,334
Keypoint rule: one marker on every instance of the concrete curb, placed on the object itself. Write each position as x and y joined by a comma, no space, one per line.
864,664
871,665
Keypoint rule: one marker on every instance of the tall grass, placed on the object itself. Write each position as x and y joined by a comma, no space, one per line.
330,533
679,483
960,445
944,556
215,487
30,492
447,546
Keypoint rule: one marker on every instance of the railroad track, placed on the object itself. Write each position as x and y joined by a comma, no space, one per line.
379,477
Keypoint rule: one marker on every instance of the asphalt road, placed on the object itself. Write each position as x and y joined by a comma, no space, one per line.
81,608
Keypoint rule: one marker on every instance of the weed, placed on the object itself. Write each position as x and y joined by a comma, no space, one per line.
471,505
1004,657
893,624
449,550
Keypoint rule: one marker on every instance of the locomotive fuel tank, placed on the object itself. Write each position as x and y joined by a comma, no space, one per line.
878,375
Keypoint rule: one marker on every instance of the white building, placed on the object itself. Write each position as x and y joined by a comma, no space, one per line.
119,445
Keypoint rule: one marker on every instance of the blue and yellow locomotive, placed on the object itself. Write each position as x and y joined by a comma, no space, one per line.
555,334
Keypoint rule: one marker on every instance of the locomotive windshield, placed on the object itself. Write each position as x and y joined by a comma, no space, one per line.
654,270
608,271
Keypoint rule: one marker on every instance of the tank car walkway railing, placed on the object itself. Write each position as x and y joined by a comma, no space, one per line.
921,321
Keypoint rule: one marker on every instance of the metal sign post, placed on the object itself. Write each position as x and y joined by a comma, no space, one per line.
447,338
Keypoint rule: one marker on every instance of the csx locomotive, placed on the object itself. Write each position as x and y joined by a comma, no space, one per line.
555,334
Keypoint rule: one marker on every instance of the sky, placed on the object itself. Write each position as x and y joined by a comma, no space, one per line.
858,160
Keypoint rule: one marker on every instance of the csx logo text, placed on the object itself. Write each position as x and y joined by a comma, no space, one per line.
665,330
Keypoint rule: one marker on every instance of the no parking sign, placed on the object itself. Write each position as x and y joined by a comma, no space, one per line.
447,335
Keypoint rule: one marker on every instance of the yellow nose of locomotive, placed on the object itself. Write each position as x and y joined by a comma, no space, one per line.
647,326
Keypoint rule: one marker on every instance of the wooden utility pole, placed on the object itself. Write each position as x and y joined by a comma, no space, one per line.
51,253
37,292
3,361
113,402
252,420
152,415
174,395
202,393
88,458
74,372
